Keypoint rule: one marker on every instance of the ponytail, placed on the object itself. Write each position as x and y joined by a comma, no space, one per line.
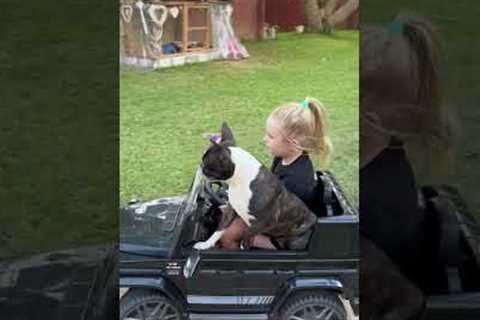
321,144
425,43
437,133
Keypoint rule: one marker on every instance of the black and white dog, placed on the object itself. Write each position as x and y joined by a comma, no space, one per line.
257,196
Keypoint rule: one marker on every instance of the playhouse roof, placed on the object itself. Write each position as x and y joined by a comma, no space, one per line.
174,2
179,1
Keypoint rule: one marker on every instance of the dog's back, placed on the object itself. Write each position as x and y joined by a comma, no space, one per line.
279,213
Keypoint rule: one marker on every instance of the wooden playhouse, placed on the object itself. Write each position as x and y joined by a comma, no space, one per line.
161,33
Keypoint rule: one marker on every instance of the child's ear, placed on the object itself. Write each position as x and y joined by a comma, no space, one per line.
293,142
227,136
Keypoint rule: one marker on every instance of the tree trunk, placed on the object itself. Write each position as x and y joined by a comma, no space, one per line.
343,13
313,15
322,15
329,5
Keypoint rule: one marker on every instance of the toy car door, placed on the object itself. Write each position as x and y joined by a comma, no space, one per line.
238,281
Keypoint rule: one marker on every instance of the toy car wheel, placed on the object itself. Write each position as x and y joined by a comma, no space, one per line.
313,306
148,305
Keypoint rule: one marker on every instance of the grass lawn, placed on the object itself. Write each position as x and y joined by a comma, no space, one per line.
59,149
163,114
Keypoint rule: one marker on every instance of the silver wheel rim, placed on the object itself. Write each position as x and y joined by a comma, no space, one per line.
156,309
314,312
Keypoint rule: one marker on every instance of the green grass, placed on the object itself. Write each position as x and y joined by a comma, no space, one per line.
163,114
458,26
58,169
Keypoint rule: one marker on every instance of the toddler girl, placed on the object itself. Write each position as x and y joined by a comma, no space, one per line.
294,132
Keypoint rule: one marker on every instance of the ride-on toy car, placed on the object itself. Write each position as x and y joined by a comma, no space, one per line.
454,292
163,277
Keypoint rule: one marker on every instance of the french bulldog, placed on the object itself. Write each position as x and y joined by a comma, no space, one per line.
257,196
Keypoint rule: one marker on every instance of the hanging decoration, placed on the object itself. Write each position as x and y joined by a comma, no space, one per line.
174,12
126,12
158,15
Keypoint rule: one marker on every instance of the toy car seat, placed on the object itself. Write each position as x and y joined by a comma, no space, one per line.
325,202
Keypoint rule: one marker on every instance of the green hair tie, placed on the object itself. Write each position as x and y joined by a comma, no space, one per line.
305,103
394,27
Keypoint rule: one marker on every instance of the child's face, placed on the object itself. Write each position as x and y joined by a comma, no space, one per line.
275,142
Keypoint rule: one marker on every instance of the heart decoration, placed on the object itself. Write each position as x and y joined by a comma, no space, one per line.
174,11
153,12
126,11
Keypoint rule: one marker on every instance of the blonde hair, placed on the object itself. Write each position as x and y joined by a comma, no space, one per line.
400,81
306,125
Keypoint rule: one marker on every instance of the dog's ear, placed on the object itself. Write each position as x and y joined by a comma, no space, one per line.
227,136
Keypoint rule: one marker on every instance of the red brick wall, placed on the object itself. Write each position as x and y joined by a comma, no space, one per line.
248,18
284,13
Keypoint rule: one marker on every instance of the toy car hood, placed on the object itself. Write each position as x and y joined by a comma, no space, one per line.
148,228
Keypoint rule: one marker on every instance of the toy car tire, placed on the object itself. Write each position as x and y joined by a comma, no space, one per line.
144,304
311,305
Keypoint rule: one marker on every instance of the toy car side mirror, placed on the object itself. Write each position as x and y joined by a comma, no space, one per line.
191,264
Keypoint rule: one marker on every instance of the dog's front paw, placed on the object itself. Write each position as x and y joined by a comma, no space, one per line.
202,245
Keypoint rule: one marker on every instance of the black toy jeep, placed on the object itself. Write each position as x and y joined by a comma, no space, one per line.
163,277
453,290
